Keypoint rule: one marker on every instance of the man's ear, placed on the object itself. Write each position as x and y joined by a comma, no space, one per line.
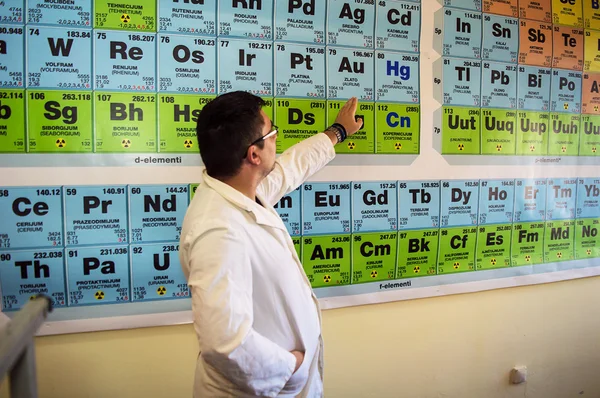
253,156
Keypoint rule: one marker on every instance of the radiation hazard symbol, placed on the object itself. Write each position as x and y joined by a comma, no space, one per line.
99,295
417,269
126,143
559,255
188,143
456,265
373,274
461,147
595,108
493,261
161,291
566,106
588,252
563,148
327,278
351,145
594,149
528,258
61,143
532,148
498,147
397,146
125,18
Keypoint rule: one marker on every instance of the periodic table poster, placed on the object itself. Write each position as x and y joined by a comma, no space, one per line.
475,168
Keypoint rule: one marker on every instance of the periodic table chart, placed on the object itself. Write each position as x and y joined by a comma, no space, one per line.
476,161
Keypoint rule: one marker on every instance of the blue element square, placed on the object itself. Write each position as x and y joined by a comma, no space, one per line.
12,11
530,200
124,61
156,212
302,21
459,203
96,215
474,5
12,56
59,58
300,70
462,33
350,23
252,19
496,201
418,204
500,38
199,18
533,89
461,82
374,206
31,217
326,208
588,198
565,95
246,66
78,14
25,274
499,85
98,275
350,73
157,273
398,26
187,64
289,209
397,77
561,198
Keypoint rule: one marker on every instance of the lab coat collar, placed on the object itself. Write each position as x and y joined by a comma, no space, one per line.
263,215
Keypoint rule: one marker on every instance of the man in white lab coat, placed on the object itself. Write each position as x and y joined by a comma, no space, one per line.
257,320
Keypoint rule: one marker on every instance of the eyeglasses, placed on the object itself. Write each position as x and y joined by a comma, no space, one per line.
264,137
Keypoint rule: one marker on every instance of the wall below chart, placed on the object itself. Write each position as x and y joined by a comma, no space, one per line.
453,346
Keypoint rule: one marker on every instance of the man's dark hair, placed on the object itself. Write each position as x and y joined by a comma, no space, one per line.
226,127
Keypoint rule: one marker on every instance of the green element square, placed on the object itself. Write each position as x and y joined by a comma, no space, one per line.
498,132
178,115
457,250
363,141
527,244
589,136
398,128
533,129
298,119
564,134
133,15
461,131
125,122
417,253
587,240
373,256
559,241
12,121
268,108
326,260
298,246
493,246
59,121
193,188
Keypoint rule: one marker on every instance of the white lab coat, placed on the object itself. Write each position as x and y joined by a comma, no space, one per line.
251,300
